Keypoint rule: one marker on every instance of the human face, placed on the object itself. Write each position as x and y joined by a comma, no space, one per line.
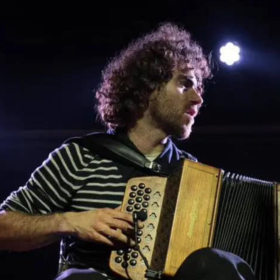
174,107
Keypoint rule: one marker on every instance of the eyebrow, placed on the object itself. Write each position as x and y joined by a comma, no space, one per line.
188,77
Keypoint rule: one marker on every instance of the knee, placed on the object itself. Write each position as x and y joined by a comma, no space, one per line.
210,261
213,256
204,257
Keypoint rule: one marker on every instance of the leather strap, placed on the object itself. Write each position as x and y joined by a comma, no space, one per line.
108,146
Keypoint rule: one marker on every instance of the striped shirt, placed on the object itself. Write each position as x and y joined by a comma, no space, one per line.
73,178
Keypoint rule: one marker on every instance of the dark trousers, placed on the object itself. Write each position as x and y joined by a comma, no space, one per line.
203,264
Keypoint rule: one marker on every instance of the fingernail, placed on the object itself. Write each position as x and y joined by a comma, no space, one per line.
140,225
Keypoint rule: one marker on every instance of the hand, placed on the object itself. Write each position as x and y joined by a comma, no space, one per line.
107,226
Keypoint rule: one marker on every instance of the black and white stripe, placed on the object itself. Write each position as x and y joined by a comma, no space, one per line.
71,178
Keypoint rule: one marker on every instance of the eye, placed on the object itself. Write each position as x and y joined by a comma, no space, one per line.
187,83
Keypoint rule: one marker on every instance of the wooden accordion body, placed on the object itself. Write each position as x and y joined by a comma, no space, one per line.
201,206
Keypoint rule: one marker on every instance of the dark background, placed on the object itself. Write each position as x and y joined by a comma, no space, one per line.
51,60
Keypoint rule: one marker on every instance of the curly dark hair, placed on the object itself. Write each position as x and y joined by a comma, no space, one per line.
144,66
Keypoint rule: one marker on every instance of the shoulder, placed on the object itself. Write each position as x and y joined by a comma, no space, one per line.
85,143
90,141
91,147
71,154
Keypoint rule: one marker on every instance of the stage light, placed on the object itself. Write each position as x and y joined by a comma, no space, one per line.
229,53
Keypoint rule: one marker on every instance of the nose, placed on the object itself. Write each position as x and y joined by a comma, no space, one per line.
195,97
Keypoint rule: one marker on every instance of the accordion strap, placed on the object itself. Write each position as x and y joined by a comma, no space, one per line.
108,146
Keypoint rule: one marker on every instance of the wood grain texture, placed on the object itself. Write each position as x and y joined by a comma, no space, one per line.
194,214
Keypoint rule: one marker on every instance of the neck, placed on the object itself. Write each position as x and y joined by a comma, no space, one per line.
147,139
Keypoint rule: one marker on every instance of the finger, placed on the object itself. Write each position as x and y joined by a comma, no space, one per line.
104,240
120,215
125,216
120,224
117,235
130,233
140,224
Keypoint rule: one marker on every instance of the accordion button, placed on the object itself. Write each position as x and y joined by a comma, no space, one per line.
140,192
134,188
120,252
138,240
130,201
134,255
141,186
148,190
129,208
124,264
139,199
145,204
139,232
133,262
126,257
118,259
146,197
137,206
132,194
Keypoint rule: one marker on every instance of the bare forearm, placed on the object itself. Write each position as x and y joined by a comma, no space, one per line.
23,232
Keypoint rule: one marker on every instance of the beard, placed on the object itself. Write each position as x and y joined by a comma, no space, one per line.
170,121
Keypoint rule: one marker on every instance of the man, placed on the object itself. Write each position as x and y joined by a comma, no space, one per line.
151,91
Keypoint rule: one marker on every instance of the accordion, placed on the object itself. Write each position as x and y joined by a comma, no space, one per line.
201,206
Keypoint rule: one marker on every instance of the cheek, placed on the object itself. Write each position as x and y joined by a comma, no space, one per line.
171,106
176,104
172,103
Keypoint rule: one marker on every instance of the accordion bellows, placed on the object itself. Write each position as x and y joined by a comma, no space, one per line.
201,206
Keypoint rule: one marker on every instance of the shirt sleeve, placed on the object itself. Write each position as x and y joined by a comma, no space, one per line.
52,184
